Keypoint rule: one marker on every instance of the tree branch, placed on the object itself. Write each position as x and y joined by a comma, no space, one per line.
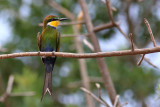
101,61
120,30
83,55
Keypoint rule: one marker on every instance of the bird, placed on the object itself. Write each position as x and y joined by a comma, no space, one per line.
49,41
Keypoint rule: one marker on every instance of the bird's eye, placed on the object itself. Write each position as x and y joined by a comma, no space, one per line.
50,20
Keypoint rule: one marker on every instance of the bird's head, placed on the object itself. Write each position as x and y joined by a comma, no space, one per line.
52,21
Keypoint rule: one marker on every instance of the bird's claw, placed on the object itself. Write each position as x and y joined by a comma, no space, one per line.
39,52
53,52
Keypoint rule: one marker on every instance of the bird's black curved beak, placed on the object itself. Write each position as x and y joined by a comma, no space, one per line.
61,19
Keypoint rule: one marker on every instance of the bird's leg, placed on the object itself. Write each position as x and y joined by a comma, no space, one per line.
53,53
39,52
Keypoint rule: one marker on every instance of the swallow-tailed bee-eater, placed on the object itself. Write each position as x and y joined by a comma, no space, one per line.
49,41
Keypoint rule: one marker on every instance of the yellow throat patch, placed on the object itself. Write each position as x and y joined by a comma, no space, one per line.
54,23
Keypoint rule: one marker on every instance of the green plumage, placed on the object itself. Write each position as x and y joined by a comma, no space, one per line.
49,41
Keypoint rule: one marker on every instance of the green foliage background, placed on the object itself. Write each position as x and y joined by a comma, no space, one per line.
29,71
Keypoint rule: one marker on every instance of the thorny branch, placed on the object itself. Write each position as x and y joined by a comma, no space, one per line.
109,10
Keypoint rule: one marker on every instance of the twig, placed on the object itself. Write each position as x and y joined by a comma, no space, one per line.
116,101
8,90
105,26
149,62
146,59
113,8
139,63
96,29
99,94
131,40
150,32
83,55
79,83
88,44
10,83
91,94
109,9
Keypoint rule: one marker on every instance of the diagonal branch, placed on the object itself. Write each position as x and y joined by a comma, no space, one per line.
62,10
139,63
100,61
91,94
150,32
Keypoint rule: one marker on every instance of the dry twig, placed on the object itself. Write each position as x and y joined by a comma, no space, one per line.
99,94
116,101
139,63
109,9
150,32
88,44
91,94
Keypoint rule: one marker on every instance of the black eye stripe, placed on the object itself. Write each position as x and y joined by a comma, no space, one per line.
52,20
49,20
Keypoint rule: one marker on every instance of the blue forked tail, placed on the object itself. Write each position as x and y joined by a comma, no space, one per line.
49,64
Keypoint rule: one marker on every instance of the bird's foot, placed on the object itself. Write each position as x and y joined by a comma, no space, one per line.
39,52
53,52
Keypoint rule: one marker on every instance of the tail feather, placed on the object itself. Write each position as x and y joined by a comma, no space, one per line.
47,84
49,64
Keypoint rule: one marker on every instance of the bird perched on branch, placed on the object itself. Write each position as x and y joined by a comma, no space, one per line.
49,41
